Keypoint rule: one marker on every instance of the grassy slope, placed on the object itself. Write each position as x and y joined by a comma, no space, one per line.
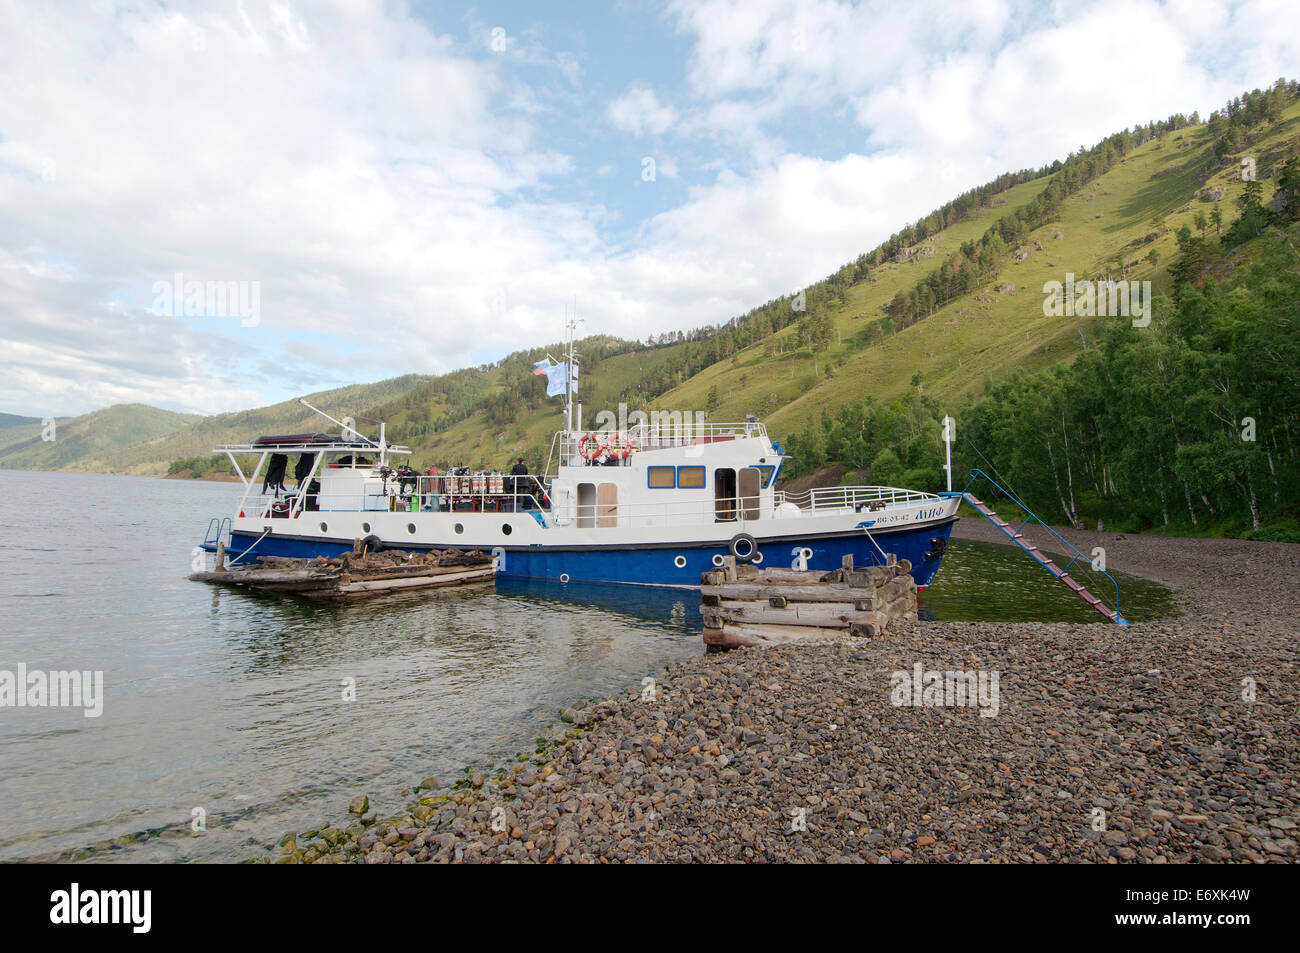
974,338
1153,189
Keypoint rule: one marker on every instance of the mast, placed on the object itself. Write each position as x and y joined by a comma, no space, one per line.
570,368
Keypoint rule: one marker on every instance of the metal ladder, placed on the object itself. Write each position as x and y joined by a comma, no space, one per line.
219,530
1018,538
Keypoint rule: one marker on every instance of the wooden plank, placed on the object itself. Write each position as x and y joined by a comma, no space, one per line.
786,577
750,592
818,615
388,585
735,636
244,577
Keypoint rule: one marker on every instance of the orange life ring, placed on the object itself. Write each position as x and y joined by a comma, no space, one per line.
590,446
619,445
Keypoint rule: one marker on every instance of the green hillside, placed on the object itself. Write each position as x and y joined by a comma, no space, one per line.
887,344
1111,225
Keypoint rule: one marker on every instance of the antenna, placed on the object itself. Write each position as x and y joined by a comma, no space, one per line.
346,428
572,327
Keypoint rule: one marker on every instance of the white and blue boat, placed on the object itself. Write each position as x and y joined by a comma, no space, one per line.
655,504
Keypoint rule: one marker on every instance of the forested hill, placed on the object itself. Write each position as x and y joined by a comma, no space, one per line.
1186,423
1088,418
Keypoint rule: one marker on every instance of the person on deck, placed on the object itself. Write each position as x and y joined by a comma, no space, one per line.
518,486
434,499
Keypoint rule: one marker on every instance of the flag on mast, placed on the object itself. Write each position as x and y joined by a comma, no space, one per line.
555,374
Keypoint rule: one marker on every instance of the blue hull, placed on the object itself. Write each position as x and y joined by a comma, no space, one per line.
922,546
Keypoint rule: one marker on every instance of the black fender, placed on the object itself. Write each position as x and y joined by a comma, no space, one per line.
744,547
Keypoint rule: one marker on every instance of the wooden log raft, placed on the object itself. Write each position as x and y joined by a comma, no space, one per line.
355,575
745,605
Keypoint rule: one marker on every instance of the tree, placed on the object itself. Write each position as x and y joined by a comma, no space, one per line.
886,468
1288,190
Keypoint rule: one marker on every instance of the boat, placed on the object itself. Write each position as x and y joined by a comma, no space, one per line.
656,501
649,506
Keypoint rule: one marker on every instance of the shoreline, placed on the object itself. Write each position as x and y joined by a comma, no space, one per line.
1109,745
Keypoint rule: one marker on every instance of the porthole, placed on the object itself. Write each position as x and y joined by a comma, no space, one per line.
324,527
365,528
680,562
507,529
460,527
410,528
564,577
717,559
758,559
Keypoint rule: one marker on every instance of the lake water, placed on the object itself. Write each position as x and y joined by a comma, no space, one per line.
232,704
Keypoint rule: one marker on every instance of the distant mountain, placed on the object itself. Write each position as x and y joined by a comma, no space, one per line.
14,420
146,441
187,450
29,445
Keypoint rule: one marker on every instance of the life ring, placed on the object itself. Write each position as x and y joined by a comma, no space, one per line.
620,445
590,446
743,547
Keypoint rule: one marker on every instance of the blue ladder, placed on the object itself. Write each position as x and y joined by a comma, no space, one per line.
219,530
1018,538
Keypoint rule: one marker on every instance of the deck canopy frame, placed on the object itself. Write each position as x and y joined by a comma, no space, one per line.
320,450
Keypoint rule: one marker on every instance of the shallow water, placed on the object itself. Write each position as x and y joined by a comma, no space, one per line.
987,582
232,704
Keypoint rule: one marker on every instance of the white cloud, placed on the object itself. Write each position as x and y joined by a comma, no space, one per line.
639,112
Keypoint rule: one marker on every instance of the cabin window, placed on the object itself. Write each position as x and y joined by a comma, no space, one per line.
586,505
661,478
724,495
690,478
766,473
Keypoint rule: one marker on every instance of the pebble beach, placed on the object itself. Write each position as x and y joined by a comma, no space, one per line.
1172,741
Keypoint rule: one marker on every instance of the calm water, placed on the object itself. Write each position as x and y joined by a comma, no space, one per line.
232,703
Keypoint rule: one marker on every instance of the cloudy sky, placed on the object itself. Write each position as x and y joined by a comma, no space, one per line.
418,187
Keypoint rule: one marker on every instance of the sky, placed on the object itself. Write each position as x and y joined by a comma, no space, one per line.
210,206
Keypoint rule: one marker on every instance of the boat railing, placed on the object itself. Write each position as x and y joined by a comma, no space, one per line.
485,492
508,493
617,446
852,497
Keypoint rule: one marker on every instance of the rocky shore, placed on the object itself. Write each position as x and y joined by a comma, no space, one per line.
1167,742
